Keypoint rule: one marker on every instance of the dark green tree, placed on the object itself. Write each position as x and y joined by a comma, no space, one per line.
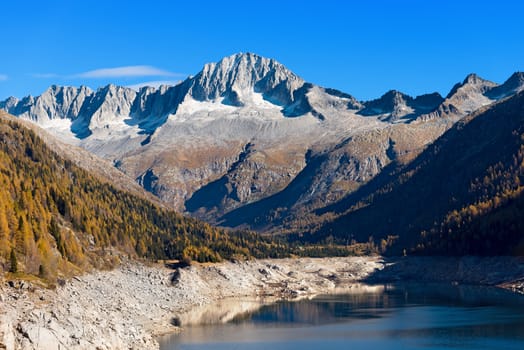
14,262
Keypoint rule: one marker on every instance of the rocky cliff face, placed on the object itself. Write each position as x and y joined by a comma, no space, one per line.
512,86
466,97
246,132
55,102
243,74
395,105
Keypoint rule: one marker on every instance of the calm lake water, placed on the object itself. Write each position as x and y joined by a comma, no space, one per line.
390,317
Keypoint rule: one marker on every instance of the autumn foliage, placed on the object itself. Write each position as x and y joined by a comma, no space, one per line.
56,217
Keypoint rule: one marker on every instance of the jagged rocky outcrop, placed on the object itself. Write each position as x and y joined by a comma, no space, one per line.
474,93
395,105
237,75
247,130
513,85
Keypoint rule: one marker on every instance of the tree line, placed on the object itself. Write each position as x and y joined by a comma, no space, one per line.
56,217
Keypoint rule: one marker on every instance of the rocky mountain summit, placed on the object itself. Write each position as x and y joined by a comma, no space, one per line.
395,105
234,76
246,133
512,86
466,97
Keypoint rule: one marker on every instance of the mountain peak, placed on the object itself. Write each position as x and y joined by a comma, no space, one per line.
471,83
428,101
235,77
517,76
61,89
9,104
472,78
396,96
393,104
246,57
243,60
110,87
514,84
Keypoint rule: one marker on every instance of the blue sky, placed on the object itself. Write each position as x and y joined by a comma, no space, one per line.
360,47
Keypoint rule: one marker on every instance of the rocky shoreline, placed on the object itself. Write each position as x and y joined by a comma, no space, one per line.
126,308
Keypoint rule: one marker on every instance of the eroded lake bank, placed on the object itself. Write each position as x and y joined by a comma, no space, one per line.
132,304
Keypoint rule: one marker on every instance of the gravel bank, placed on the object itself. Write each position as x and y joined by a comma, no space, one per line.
127,307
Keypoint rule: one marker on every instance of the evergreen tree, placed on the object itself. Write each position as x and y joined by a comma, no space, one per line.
14,262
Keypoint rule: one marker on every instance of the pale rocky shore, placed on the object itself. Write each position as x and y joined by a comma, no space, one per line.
126,308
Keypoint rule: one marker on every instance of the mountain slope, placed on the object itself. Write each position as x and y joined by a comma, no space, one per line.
462,195
57,218
331,174
245,131
86,160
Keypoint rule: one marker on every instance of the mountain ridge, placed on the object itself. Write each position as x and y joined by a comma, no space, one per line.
243,129
474,210
225,82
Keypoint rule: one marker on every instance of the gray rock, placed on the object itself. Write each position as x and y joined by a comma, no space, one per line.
247,133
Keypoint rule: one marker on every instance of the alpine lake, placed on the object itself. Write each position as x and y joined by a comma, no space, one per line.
400,316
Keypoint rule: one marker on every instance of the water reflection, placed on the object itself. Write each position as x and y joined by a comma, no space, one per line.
393,317
240,310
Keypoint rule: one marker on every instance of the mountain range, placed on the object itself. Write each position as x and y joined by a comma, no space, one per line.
248,143
462,195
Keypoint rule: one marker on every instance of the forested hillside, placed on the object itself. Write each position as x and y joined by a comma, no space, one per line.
56,217
463,195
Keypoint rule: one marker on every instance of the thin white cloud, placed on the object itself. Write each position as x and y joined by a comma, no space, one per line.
155,84
127,71
3,77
